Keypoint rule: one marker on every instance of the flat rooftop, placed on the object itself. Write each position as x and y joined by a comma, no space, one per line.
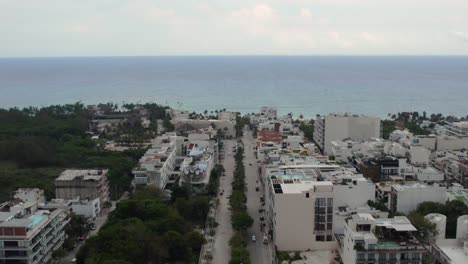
463,124
404,187
453,250
69,175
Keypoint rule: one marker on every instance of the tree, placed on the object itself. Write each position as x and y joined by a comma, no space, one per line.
426,229
195,240
241,220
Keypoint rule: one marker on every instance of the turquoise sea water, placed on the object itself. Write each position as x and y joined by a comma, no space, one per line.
305,84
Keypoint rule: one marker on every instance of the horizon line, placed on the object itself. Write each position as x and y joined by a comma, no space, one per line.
238,55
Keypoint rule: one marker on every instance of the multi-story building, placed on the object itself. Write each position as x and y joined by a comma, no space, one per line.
406,198
369,240
84,184
350,189
344,126
158,163
299,210
457,128
30,237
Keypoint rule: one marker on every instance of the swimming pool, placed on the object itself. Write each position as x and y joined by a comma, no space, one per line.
36,219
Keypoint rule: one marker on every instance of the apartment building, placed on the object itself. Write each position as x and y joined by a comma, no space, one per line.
457,128
30,236
158,163
299,210
84,184
369,240
344,126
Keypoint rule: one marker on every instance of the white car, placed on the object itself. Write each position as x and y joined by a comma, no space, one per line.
254,239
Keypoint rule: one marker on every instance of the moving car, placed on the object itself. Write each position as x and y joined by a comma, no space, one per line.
254,239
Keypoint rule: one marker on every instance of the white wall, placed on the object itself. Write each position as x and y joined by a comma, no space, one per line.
408,199
419,155
89,209
358,128
452,143
353,195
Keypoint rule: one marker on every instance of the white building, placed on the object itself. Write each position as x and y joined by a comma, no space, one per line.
268,112
342,214
406,198
350,189
398,135
369,240
457,128
30,195
86,208
343,126
158,163
299,210
30,237
419,155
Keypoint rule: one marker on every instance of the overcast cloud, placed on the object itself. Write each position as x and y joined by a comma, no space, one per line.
232,27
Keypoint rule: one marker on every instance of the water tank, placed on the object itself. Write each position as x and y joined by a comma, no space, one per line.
440,221
462,227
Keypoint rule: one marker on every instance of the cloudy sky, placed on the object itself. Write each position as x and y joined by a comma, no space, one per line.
232,27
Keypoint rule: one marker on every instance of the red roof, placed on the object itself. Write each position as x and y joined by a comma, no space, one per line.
267,136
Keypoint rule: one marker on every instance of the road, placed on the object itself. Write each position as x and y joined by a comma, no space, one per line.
99,222
259,252
224,232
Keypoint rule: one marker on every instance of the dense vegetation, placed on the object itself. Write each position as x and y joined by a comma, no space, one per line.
452,210
240,218
388,126
149,228
308,129
241,121
36,144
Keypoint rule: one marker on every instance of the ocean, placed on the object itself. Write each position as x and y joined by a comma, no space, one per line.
307,85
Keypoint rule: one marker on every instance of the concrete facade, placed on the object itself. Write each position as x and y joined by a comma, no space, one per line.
342,126
84,184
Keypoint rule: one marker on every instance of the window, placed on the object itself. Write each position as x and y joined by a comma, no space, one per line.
371,246
370,256
392,256
307,195
329,238
321,202
329,218
330,201
382,256
329,226
361,256
319,238
416,256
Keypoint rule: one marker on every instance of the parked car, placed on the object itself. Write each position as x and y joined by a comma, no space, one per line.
254,239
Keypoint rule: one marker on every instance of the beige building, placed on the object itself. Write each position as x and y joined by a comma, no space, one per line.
85,184
299,211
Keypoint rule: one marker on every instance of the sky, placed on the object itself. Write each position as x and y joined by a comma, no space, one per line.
43,28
